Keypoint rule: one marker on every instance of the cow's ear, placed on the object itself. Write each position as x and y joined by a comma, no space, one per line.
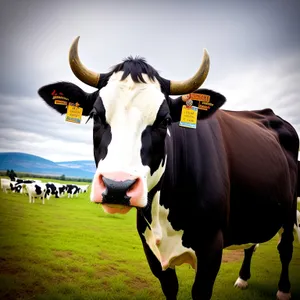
58,95
206,100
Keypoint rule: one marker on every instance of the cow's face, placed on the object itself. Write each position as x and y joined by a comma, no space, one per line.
131,116
130,126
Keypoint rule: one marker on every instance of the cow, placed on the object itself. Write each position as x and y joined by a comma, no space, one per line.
61,189
6,184
35,190
9,185
83,188
17,186
55,189
198,175
72,189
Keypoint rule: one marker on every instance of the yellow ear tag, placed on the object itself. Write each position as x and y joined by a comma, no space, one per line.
188,116
74,113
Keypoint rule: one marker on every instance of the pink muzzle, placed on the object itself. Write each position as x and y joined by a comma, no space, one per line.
118,192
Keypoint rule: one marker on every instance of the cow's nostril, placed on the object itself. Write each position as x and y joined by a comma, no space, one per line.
134,185
101,183
117,186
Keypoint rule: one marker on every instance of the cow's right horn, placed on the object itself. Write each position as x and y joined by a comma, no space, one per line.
192,84
80,71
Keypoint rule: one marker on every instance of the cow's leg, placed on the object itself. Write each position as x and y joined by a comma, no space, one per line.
168,278
209,257
285,249
245,274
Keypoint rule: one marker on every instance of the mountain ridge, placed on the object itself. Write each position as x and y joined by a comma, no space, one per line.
29,163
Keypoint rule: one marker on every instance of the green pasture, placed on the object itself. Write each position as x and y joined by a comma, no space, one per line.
70,249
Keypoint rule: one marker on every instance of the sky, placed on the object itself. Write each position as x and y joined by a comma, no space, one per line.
254,48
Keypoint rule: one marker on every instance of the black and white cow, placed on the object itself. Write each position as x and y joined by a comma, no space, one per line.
17,187
55,189
35,190
61,188
72,189
196,190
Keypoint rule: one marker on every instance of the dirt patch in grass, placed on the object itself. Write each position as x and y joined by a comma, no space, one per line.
232,255
138,283
104,256
62,253
10,268
107,272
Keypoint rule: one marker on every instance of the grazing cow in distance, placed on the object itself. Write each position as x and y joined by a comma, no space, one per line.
8,185
54,189
197,175
83,188
5,184
16,187
35,190
61,189
72,189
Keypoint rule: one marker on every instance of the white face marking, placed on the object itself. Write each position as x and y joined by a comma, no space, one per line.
164,241
130,107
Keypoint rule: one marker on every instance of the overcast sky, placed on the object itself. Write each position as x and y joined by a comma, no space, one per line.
254,48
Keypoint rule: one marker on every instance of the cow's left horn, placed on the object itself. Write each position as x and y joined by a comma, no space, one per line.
80,71
192,84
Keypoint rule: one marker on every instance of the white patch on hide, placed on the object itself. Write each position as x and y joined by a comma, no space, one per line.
152,180
240,283
130,107
164,241
283,296
297,226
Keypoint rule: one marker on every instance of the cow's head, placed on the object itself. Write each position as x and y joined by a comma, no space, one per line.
131,110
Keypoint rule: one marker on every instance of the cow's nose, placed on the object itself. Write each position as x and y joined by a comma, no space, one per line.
118,191
115,191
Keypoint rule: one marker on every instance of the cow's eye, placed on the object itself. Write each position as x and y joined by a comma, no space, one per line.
166,122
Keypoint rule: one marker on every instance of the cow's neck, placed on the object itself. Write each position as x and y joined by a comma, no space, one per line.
163,240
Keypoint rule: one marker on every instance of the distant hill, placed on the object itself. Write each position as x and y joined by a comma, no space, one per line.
28,163
87,165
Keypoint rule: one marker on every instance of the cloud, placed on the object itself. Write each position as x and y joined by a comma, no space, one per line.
253,46
269,85
29,125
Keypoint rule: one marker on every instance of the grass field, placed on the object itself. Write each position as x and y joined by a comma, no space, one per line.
70,249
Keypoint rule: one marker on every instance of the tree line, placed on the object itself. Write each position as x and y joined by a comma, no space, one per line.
12,173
